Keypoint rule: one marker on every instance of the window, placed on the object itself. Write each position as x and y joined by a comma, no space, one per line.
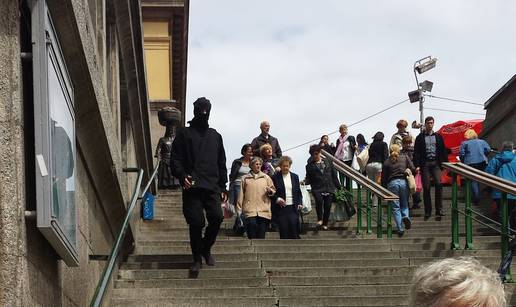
157,45
54,122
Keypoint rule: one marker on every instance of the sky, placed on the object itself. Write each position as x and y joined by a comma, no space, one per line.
309,66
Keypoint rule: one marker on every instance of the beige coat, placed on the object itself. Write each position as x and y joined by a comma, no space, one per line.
253,199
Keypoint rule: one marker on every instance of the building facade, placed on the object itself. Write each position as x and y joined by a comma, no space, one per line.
165,28
73,114
500,122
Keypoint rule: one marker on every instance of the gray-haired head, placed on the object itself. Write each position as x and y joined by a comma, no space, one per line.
456,282
507,145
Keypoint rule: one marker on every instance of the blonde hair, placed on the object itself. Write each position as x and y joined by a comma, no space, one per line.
394,152
470,134
456,282
402,123
263,147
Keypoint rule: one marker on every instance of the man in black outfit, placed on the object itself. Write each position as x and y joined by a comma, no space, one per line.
429,153
199,161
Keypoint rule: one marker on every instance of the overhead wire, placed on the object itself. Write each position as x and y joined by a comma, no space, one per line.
454,111
455,100
350,125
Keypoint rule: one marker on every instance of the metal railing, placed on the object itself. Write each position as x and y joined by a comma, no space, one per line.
505,187
96,300
372,188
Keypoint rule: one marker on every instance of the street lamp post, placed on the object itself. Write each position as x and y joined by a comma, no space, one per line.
421,66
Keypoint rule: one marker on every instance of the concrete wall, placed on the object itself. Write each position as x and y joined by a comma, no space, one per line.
31,273
500,122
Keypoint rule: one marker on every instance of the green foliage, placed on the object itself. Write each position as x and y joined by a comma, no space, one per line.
343,195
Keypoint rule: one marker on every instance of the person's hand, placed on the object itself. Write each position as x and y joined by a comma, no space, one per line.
187,183
224,196
278,169
299,207
281,202
269,191
417,170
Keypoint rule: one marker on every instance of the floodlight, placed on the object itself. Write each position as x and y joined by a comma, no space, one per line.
426,86
426,66
414,96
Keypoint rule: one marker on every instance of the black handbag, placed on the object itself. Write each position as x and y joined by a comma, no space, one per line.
350,209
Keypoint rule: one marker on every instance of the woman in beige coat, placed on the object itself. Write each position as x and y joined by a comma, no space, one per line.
254,200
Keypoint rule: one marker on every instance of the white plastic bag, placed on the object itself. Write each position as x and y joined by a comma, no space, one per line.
354,163
307,202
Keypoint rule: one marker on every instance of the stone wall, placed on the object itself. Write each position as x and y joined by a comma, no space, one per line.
31,273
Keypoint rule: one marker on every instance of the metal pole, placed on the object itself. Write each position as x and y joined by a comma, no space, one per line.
359,208
455,216
389,219
368,212
379,229
469,221
505,225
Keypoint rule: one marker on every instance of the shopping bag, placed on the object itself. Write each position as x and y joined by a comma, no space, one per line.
411,181
338,214
307,202
362,158
419,183
229,210
148,206
239,226
354,163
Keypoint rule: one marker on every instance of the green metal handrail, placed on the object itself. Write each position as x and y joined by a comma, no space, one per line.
371,188
504,186
96,301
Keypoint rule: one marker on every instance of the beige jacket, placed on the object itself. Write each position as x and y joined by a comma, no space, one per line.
253,199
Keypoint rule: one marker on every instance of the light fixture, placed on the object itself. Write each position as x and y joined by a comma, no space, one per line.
425,66
414,96
426,86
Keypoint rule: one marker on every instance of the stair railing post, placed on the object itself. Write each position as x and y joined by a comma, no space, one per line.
455,215
389,219
379,228
359,209
368,212
505,229
469,221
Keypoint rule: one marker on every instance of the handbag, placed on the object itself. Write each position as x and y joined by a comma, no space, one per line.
354,163
363,157
350,209
411,181
307,202
419,183
229,210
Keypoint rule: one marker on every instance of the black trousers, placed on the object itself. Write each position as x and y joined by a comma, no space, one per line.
256,227
323,206
288,222
195,202
432,168
347,183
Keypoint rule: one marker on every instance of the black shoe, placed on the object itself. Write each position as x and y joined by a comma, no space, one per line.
195,269
440,213
401,233
407,222
427,216
208,259
416,206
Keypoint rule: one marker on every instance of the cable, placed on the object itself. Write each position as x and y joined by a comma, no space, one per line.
455,100
453,111
353,124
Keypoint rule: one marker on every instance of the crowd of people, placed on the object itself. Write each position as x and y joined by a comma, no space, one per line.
267,195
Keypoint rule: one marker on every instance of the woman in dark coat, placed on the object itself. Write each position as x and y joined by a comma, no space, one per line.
288,200
322,178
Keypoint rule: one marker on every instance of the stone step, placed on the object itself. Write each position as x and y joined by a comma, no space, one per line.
198,302
186,263
342,290
341,263
384,300
206,273
182,283
339,271
389,279
187,257
251,292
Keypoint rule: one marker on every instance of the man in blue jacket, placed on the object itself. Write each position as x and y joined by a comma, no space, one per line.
503,165
199,161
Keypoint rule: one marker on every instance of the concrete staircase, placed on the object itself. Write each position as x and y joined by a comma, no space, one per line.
324,268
